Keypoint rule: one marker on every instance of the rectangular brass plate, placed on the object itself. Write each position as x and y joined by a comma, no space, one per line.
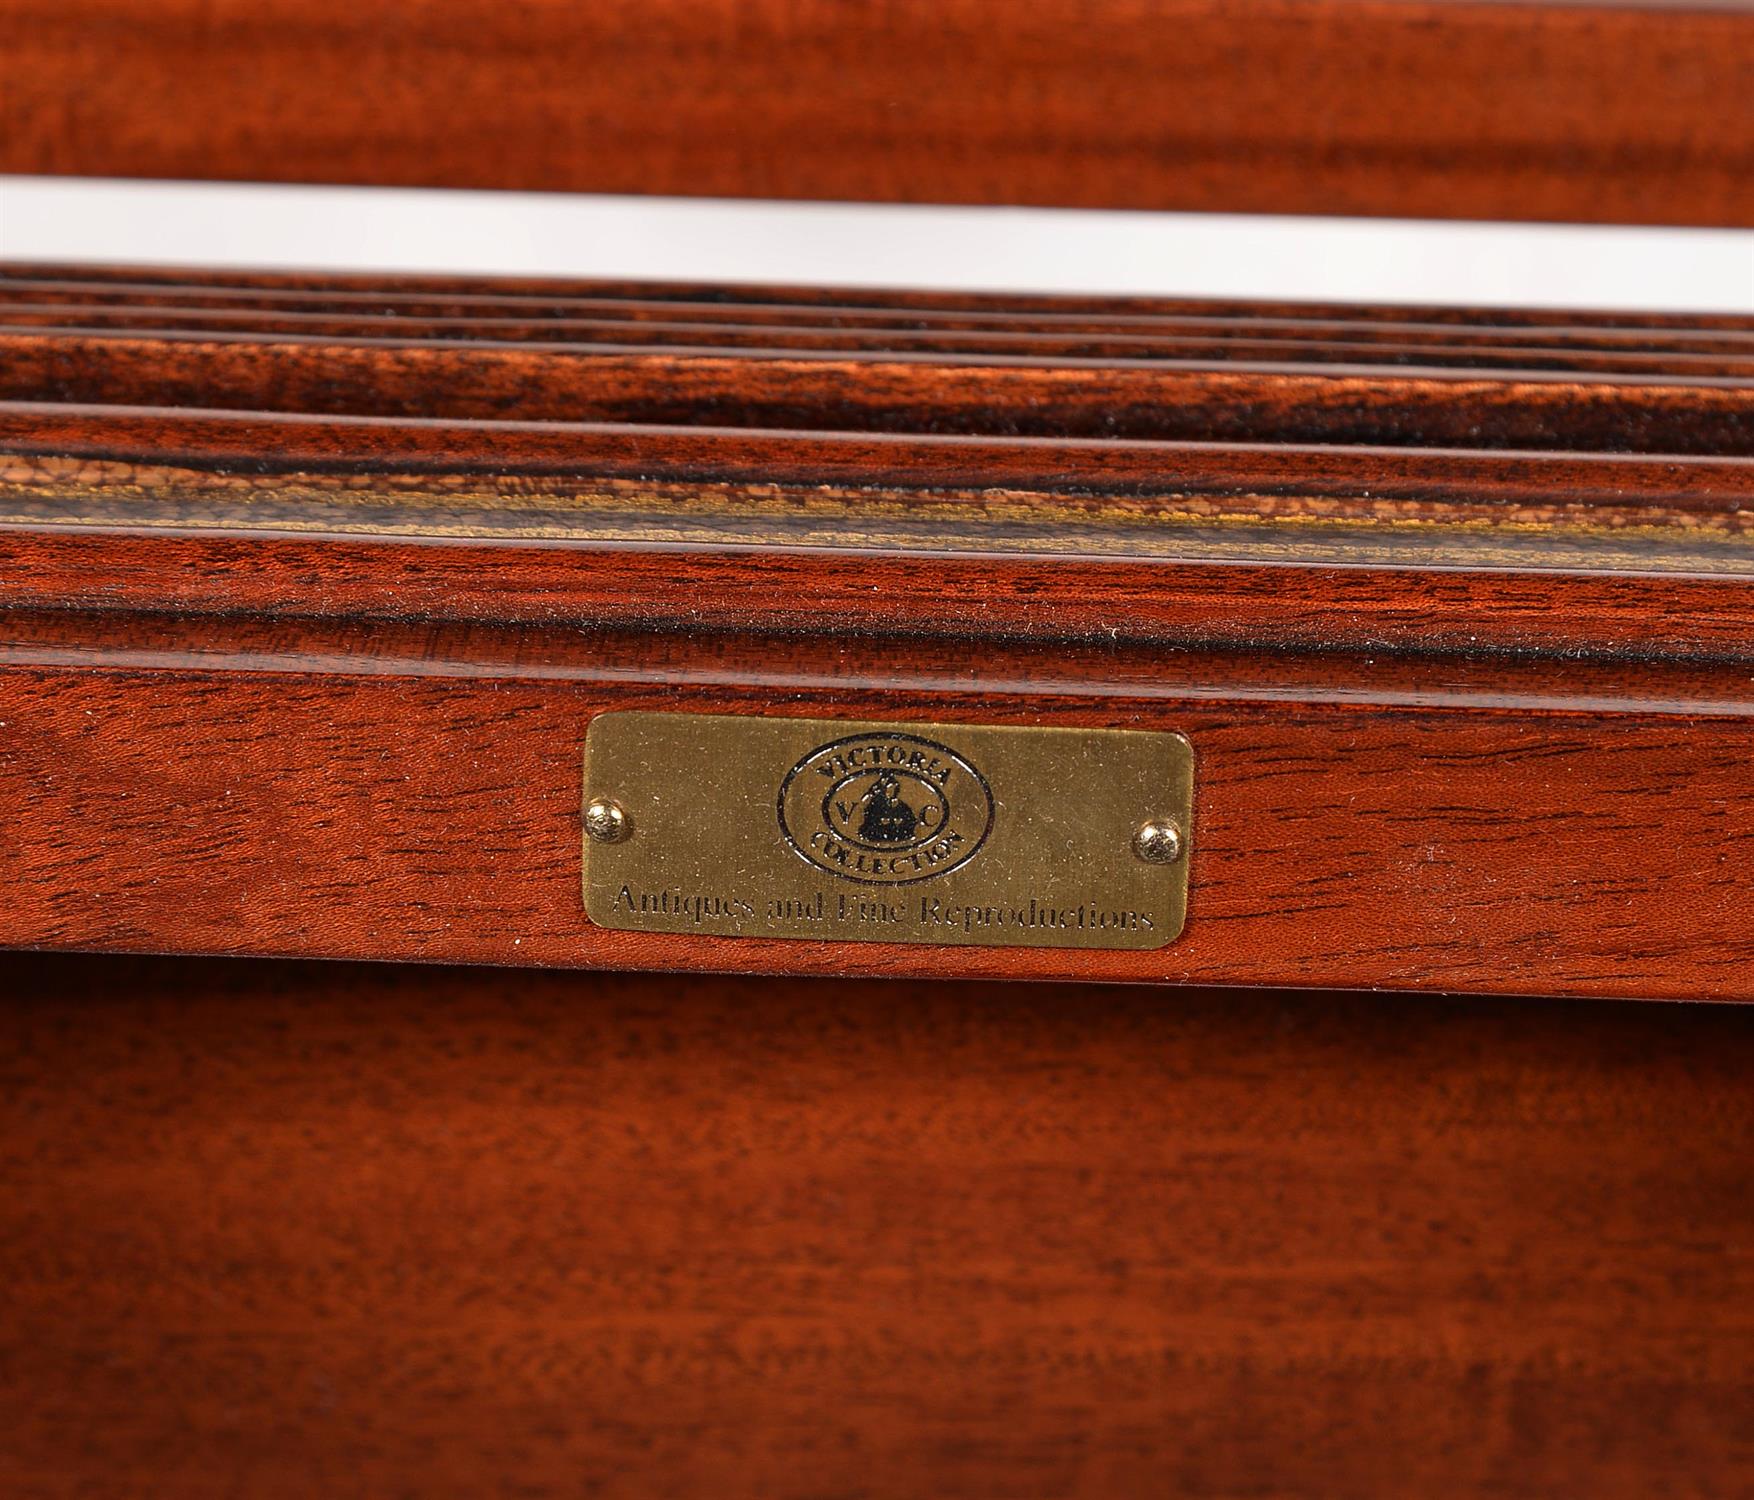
746,826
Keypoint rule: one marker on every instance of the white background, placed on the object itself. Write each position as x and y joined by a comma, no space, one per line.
875,245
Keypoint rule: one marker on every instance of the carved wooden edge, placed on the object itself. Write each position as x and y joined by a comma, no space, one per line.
296,681
96,285
1408,549
1597,112
370,790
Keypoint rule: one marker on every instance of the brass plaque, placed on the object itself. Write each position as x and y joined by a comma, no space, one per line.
745,826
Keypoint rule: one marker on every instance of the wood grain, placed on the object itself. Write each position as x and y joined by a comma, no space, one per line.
302,632
202,785
593,318
1173,542
97,284
1142,370
826,390
294,1229
1598,112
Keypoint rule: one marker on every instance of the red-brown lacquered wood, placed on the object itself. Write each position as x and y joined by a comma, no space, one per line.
824,591
76,465
1234,400
415,794
502,317
312,675
589,335
323,454
1635,113
1288,545
739,357
596,319
100,285
285,1230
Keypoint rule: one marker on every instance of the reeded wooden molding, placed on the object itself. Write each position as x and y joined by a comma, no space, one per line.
1596,112
281,675
869,362
1406,548
438,294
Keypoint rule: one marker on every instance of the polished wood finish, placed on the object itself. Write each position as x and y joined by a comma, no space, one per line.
902,363
1600,112
303,630
208,286
295,1229
206,786
416,470
310,586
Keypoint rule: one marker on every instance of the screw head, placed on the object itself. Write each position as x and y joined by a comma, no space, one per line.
606,821
1158,842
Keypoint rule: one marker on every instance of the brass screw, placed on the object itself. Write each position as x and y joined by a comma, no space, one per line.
1158,842
606,821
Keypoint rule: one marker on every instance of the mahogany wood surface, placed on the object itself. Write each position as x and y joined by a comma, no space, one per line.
303,630
309,587
1145,368
210,285
203,786
1601,112
284,1230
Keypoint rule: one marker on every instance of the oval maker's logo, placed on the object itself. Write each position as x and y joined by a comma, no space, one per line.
885,809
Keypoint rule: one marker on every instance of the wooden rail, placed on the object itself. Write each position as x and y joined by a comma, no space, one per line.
312,589
1600,112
